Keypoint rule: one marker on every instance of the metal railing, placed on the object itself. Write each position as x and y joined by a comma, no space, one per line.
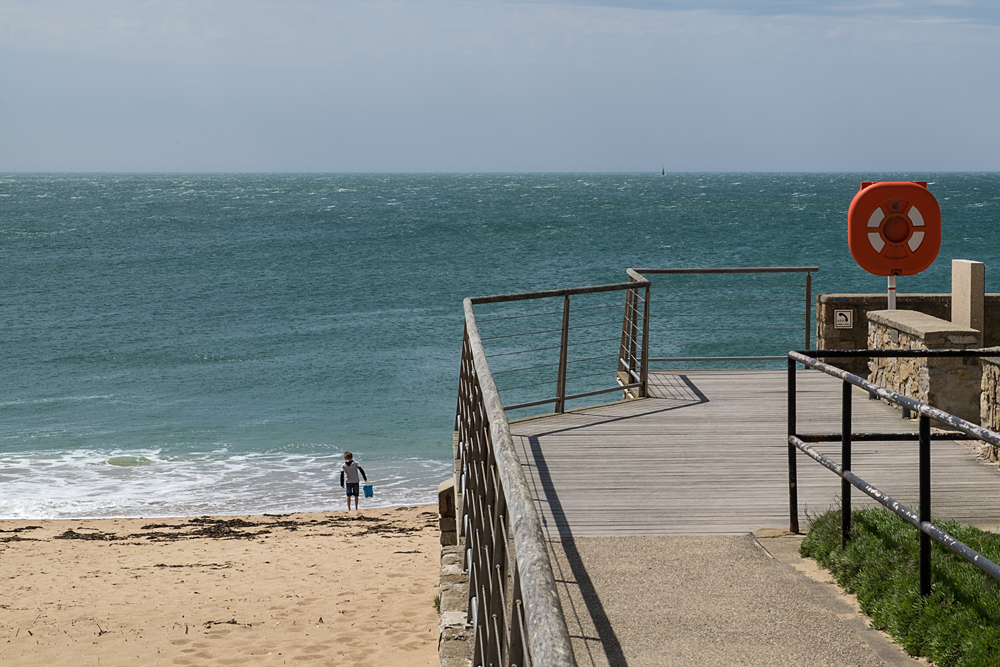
514,605
921,520
731,299
634,350
539,363
535,348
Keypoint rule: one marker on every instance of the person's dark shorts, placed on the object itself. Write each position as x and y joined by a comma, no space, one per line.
352,489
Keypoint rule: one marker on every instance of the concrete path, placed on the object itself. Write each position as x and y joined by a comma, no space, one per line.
709,600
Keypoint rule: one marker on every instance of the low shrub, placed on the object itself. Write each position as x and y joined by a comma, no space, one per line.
957,625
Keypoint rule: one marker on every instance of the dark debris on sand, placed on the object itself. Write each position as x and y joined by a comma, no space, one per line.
16,537
97,535
242,529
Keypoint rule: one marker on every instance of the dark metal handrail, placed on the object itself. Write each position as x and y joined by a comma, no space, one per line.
920,520
548,294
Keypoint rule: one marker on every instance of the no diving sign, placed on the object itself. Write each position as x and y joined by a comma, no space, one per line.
843,319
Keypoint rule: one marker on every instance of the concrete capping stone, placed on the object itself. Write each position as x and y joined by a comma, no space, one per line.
446,498
455,634
924,326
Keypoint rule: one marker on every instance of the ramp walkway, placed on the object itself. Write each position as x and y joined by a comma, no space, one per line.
665,519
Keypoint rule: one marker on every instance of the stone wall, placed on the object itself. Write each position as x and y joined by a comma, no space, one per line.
455,634
990,402
951,384
828,337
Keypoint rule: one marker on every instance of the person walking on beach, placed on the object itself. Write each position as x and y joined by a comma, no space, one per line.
350,469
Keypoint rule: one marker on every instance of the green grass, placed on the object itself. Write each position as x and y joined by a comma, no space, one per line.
957,625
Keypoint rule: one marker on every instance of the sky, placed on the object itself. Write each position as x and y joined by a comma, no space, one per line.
499,86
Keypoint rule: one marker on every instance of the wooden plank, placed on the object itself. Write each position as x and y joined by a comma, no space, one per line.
707,454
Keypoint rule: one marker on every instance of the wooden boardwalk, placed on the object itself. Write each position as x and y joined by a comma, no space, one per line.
707,454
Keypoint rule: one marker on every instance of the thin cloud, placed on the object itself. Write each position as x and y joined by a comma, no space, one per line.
943,10
489,85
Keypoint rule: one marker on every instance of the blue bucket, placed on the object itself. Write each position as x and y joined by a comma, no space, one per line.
369,490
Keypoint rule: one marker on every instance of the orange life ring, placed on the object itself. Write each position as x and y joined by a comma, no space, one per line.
894,229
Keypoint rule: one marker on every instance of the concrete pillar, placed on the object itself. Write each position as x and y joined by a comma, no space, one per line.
968,287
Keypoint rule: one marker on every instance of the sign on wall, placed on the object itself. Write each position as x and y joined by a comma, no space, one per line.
843,319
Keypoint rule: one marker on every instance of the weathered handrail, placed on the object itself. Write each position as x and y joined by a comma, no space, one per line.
920,520
566,291
513,602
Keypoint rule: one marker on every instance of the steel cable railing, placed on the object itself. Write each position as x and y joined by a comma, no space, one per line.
514,605
575,350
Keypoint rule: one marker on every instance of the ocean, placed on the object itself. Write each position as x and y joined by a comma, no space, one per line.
182,344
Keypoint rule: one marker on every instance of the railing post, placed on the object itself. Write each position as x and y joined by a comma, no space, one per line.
632,310
624,363
845,455
808,310
925,505
793,491
563,354
633,333
644,364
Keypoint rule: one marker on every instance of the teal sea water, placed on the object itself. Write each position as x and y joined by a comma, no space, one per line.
192,344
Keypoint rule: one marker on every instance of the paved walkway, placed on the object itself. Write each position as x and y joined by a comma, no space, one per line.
654,511
708,600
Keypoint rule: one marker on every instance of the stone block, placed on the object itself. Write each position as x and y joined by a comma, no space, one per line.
446,497
964,340
968,292
454,556
451,619
989,404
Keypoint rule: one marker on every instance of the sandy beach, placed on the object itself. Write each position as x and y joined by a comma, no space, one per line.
330,588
